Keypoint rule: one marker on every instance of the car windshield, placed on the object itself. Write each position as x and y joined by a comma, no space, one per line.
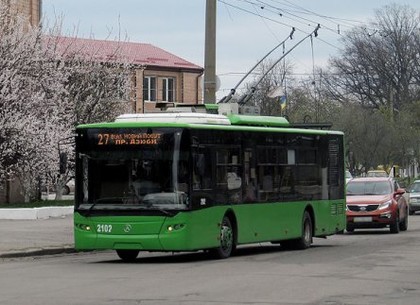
377,174
348,174
415,187
368,188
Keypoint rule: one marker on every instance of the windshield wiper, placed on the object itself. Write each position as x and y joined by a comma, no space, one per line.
167,213
101,200
140,206
89,211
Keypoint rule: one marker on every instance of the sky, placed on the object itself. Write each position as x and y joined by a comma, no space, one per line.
246,29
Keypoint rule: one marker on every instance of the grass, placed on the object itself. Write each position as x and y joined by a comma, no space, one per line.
37,204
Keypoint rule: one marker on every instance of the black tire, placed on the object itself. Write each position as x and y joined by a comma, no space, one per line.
66,190
227,240
411,212
404,223
128,255
305,241
307,234
394,227
349,229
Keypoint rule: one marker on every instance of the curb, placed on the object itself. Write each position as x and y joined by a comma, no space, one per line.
35,213
39,252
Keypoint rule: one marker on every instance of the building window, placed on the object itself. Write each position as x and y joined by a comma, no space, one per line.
149,88
168,90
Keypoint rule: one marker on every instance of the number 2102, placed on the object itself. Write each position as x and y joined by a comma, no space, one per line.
103,228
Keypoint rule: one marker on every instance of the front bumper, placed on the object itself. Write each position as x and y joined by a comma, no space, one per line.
414,204
370,220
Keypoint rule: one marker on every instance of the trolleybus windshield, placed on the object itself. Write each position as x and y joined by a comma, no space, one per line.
131,170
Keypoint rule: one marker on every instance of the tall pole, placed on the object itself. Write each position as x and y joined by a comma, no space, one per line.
210,53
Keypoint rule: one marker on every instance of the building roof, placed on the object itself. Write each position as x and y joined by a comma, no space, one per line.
111,51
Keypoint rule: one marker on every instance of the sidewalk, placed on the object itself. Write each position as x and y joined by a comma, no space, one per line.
36,237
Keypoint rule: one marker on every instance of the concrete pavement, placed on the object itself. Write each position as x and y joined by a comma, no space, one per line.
35,213
36,231
24,237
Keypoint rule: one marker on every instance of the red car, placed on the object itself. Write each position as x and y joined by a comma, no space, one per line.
376,203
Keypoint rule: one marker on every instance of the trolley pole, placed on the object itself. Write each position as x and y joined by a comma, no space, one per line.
210,53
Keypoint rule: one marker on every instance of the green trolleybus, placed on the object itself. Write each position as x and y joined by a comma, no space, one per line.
199,181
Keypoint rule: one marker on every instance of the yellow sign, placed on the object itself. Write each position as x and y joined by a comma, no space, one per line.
128,138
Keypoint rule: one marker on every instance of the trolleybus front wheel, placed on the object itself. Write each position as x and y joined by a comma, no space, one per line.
227,240
128,255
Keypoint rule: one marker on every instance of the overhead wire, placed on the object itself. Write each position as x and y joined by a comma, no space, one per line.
246,98
265,23
293,13
232,92
296,9
252,13
272,20
302,10
276,13
285,12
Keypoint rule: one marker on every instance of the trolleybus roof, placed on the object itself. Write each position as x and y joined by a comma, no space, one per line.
204,118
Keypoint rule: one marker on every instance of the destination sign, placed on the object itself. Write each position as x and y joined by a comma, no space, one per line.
112,139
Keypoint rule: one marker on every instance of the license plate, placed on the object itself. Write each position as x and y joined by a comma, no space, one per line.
363,219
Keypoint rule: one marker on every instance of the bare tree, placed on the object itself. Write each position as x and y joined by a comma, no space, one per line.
378,70
378,66
277,79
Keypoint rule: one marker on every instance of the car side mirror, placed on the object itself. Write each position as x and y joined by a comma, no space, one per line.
400,191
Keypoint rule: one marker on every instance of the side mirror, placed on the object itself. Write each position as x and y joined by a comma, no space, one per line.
400,191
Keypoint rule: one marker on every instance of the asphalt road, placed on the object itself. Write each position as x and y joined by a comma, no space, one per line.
364,268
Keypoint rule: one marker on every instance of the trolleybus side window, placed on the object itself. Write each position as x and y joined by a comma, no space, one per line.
229,173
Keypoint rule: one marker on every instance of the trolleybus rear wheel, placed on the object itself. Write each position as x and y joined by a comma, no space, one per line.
305,240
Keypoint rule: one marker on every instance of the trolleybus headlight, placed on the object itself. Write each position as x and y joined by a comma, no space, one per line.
84,227
175,227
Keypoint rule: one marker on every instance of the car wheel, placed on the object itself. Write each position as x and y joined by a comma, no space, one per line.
411,212
227,240
128,255
349,229
66,190
395,226
404,223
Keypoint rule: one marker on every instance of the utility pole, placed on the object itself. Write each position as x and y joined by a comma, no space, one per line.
210,53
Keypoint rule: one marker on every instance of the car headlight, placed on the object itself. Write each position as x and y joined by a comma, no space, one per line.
385,205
